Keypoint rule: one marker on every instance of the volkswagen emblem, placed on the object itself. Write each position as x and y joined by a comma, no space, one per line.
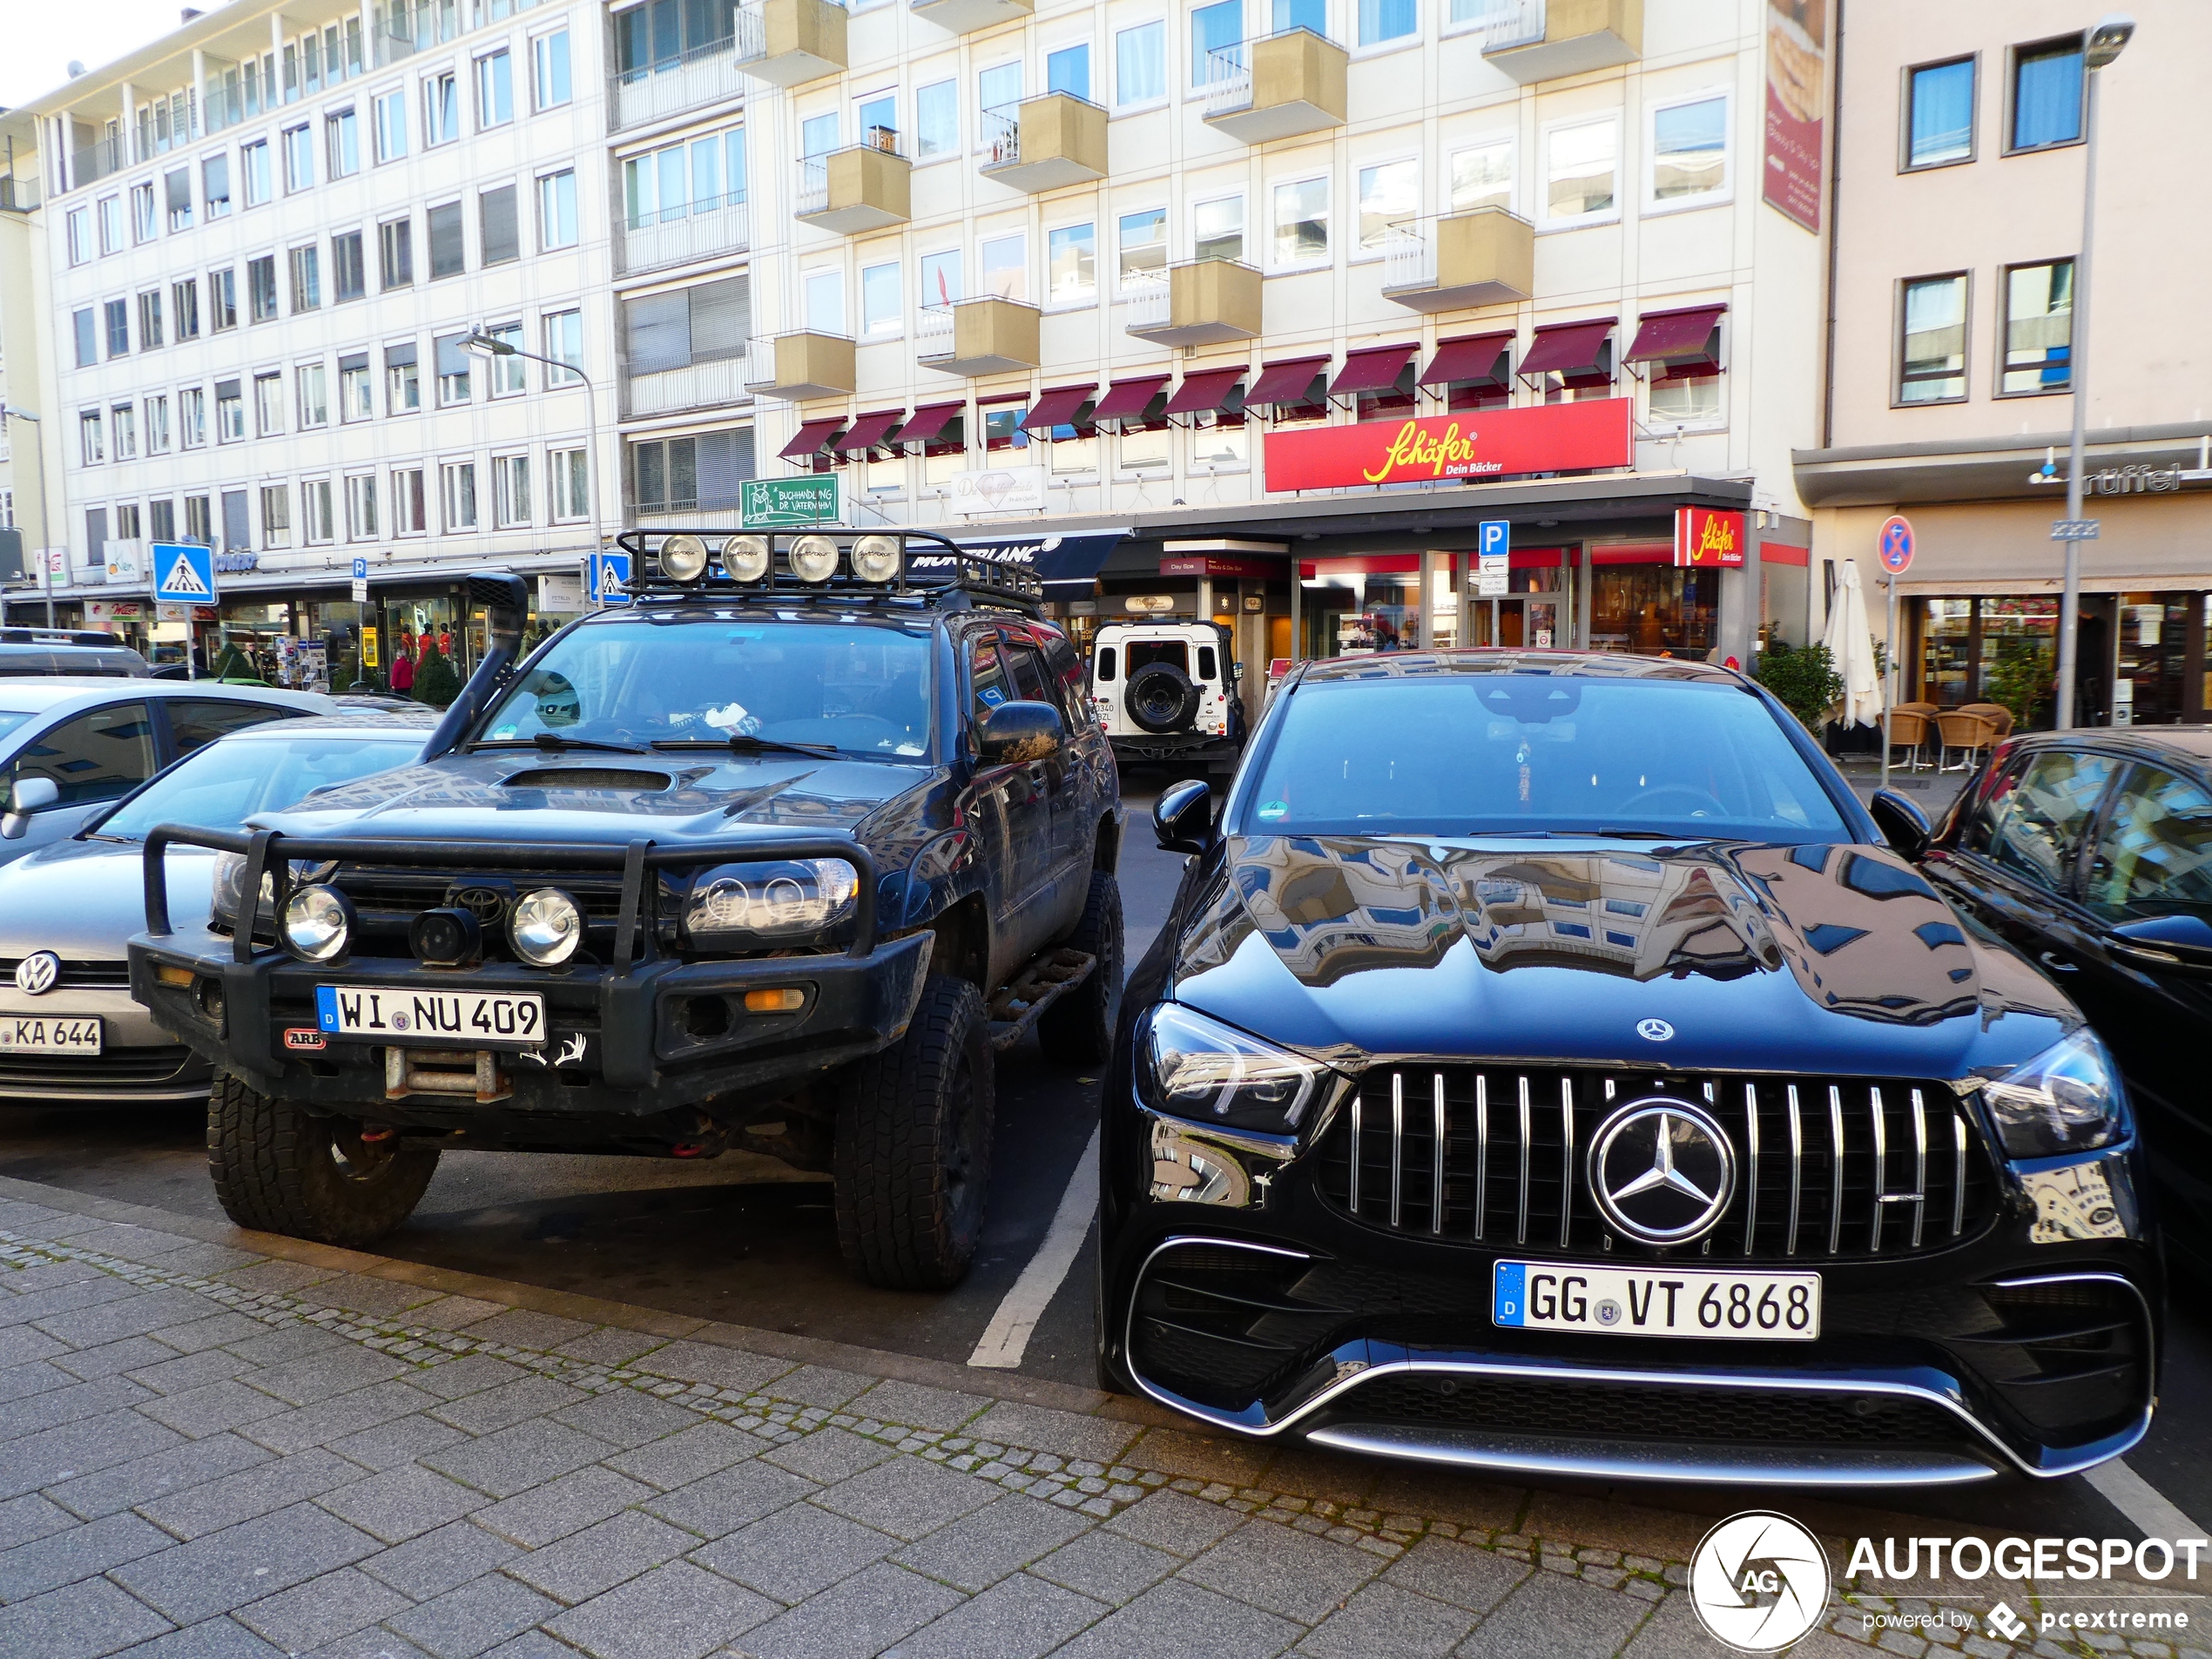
35,974
1662,1171
1654,1030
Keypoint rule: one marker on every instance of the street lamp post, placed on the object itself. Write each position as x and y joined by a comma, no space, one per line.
45,575
481,344
2104,42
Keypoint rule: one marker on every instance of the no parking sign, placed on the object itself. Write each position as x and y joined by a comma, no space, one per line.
1894,544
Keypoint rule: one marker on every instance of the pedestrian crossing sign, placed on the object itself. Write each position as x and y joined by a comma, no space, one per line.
184,573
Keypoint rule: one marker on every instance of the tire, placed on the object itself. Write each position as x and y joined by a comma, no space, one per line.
1078,1029
279,1169
1161,699
912,1163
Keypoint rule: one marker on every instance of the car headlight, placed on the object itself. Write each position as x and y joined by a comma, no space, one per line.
2066,1099
230,882
318,923
782,899
546,928
1196,1066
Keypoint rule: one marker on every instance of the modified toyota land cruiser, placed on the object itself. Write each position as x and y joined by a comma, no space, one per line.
1166,692
773,857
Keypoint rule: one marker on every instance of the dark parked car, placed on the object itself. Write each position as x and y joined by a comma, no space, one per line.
2092,852
68,651
1546,1068
772,858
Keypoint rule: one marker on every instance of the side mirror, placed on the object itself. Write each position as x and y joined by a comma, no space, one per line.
1902,823
30,795
1016,734
1182,817
506,601
2173,942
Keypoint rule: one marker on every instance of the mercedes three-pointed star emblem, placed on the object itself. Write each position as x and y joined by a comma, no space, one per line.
1662,1171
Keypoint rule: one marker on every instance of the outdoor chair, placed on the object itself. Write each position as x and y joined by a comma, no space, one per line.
1909,731
1969,734
1999,716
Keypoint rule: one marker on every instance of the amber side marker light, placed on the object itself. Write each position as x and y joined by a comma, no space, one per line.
787,1001
164,974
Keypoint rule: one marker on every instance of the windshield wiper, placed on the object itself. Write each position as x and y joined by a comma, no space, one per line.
554,743
745,743
1623,833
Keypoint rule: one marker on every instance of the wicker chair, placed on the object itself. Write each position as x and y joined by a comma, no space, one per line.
1996,714
1909,731
1968,733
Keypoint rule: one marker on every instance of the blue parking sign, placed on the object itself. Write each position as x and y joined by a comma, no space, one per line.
1493,536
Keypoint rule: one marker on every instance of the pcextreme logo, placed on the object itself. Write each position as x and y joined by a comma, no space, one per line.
1758,1581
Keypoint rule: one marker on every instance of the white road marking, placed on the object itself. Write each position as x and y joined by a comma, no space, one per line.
1007,1337
2155,1514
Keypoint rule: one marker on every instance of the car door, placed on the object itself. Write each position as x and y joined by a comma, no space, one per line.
1061,780
93,757
2013,863
1016,792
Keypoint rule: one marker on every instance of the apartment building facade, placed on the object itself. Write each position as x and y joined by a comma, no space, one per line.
1950,394
269,239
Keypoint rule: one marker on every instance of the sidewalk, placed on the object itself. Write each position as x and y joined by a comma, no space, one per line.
216,1444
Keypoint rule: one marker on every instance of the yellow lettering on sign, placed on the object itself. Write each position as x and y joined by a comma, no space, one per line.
1415,450
1717,538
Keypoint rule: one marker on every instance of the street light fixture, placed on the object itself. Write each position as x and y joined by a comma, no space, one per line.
488,346
2103,42
45,575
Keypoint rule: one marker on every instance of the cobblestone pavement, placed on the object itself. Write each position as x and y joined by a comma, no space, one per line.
216,1444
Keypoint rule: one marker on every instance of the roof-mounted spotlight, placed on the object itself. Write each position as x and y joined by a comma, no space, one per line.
747,559
877,558
813,558
683,558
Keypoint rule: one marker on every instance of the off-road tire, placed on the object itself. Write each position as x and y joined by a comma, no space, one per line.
1079,1028
1146,699
278,1169
912,1161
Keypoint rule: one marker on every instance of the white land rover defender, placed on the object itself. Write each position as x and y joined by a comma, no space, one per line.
1166,691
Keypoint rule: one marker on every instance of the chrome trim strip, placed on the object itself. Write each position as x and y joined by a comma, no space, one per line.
1567,1160
1836,1181
1520,1234
1881,1167
1957,1172
1919,1165
1751,1166
1358,1101
1436,1180
1481,1149
1797,1169
1397,1144
1546,1455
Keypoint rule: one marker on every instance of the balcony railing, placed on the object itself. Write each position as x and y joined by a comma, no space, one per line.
96,161
1229,78
695,386
1480,257
933,332
700,231
789,42
1409,254
1145,294
706,74
1001,135
1500,23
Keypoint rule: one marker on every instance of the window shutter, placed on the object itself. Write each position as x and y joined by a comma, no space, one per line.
721,318
452,360
658,332
225,388
237,538
725,461
178,187
399,356
503,241
447,257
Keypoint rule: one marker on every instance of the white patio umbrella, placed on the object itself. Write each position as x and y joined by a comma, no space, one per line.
1850,646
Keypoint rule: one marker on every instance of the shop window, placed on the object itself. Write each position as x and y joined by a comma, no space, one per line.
1932,348
2038,329
1653,610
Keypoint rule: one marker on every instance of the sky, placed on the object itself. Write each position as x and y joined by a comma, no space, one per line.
43,35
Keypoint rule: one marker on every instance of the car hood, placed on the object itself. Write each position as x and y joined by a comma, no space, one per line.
84,900
1836,959
509,795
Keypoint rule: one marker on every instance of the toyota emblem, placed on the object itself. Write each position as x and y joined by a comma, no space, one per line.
486,904
37,973
1662,1171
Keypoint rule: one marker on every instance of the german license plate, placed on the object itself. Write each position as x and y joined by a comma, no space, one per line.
48,1034
1656,1301
459,1019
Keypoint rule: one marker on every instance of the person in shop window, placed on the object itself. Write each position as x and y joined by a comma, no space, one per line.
403,667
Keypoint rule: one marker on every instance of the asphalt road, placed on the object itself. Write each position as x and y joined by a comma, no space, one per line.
745,1240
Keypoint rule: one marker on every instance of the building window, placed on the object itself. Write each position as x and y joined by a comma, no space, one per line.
191,417
312,383
161,519
448,249
222,299
158,432
882,312
2038,327
1215,28
395,253
457,494
684,474
570,471
261,288
230,413
1382,21
1301,222
1939,113
1068,70
441,110
356,393
1217,229
511,490
183,307
556,225
306,278
91,444
150,334
390,110
508,375
2046,94
1689,151
84,327
341,144
1006,267
502,237
936,120
650,36
1580,163
550,70
495,91
299,158
360,507
1071,265
697,176
276,515
254,162
349,275
1141,65
402,384
118,327
1483,176
215,185
824,296
80,235
1141,246
707,322
316,525
565,345
126,520
407,503
112,237
453,370
268,405
142,213
123,421
1932,355
1390,194
199,521
1687,399
998,91
176,191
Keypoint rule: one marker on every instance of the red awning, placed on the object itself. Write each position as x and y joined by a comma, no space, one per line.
926,423
1284,383
1204,391
1126,399
812,438
1567,348
1675,338
1472,359
1375,368
1059,407
869,431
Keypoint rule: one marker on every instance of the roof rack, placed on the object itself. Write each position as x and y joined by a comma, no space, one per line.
58,636
822,564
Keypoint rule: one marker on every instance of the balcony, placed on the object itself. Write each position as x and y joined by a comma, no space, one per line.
1546,40
1197,302
704,75
709,385
95,161
801,366
1276,87
862,187
1484,258
965,17
1046,143
788,42
978,337
653,244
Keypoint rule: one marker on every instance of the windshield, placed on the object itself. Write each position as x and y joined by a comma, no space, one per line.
1506,753
851,687
217,787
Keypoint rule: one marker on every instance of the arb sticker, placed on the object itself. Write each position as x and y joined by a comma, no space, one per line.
305,1036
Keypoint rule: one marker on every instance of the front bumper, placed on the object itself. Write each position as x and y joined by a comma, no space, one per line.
138,1062
1175,745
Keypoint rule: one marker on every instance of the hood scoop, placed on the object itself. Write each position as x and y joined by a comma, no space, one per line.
589,778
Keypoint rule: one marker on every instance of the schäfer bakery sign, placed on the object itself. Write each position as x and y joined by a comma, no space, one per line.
1473,445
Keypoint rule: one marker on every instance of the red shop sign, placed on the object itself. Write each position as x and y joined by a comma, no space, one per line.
1208,565
1476,444
1706,535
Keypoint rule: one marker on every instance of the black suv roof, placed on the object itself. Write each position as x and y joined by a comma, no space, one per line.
2150,742
1485,659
